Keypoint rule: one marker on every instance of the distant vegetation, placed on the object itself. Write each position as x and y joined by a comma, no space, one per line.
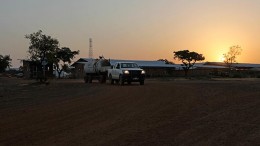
63,58
45,49
231,56
166,61
188,59
5,62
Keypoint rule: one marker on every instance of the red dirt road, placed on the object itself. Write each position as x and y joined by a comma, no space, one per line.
162,112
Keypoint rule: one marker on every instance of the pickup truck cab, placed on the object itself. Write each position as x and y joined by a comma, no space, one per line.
128,72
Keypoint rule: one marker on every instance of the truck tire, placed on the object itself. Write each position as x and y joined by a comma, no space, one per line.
121,80
89,79
110,79
102,79
86,79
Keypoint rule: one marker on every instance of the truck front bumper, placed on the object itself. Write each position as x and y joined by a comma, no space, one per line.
132,78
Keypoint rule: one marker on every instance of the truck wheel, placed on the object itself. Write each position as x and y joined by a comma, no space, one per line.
89,79
102,79
142,82
121,80
110,79
86,79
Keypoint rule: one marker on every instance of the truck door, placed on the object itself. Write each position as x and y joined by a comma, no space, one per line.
117,71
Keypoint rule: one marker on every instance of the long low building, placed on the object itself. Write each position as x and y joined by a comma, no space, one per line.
152,68
162,68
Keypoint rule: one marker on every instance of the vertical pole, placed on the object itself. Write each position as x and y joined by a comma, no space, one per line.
90,48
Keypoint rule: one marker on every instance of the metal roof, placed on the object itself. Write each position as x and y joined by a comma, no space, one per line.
158,64
247,65
145,63
141,63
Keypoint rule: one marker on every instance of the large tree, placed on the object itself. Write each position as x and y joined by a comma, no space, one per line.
188,59
41,46
64,57
5,62
231,56
42,49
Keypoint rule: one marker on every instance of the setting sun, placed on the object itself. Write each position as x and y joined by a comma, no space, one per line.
222,59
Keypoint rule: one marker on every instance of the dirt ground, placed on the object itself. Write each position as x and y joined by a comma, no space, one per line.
162,112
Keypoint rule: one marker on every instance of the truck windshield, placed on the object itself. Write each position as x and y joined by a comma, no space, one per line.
129,65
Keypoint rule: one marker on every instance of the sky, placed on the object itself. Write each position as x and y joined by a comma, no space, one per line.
134,29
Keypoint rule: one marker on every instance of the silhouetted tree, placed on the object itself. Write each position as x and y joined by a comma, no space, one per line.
42,49
188,59
5,62
231,55
41,46
64,57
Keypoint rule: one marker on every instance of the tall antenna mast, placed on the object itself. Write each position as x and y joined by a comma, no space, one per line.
90,53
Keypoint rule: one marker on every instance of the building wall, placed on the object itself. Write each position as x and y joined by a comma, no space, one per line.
201,72
158,71
32,70
78,71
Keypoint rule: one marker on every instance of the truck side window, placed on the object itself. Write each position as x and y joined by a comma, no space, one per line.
124,65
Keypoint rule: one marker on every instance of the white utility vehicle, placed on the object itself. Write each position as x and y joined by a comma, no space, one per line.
96,69
126,72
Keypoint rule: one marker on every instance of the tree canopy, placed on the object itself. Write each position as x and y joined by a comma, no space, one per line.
188,59
63,58
41,46
5,62
45,48
231,56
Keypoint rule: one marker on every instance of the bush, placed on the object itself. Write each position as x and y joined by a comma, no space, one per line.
237,75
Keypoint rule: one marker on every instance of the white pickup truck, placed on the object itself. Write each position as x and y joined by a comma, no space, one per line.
126,72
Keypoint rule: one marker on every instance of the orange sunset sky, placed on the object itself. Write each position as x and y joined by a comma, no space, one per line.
134,29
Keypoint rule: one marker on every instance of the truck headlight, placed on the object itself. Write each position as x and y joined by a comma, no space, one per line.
126,72
143,72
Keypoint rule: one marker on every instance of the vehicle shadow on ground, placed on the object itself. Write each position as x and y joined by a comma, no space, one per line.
115,84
